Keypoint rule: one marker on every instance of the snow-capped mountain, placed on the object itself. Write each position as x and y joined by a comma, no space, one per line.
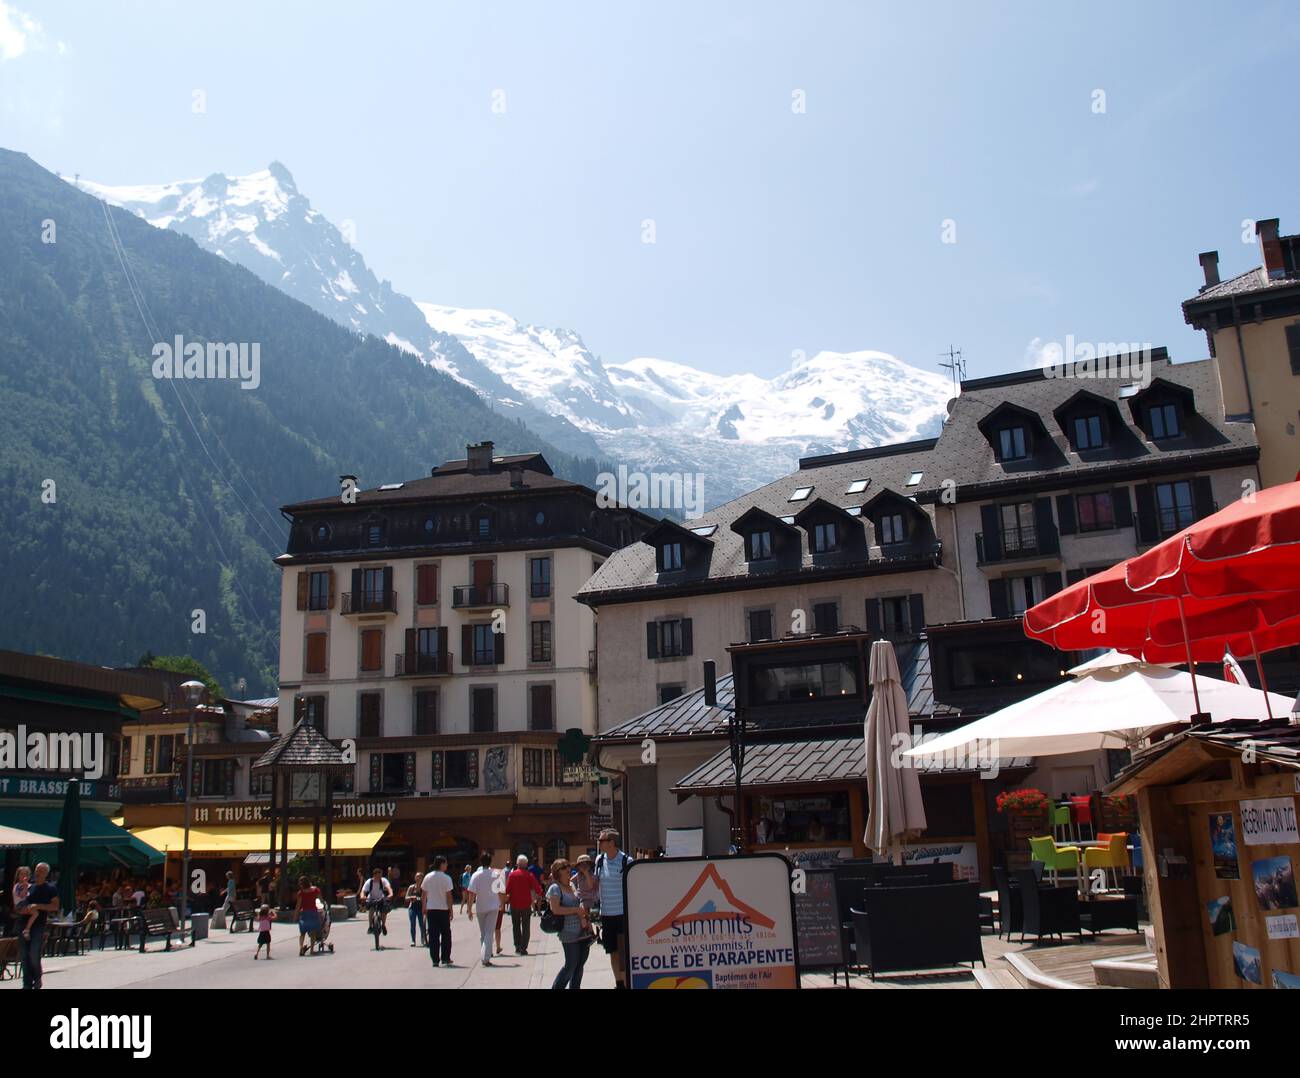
739,431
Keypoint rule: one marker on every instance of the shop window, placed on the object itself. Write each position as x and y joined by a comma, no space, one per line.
821,820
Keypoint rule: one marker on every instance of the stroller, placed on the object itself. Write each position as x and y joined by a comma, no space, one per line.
319,938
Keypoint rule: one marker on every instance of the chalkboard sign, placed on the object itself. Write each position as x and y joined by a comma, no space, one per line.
817,922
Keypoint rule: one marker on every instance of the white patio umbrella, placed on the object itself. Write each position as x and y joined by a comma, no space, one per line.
16,837
1107,707
895,812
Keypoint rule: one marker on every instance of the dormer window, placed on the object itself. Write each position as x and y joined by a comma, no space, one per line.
825,538
889,529
1088,432
670,557
759,545
483,526
374,533
1012,443
1163,421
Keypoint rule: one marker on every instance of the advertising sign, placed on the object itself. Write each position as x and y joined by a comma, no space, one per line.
711,922
1269,821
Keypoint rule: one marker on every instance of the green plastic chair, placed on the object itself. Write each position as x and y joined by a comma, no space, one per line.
1061,819
1054,857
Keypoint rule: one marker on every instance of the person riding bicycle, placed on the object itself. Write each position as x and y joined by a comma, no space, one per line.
377,893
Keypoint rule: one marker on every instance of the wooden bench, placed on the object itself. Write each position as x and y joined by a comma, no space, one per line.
155,923
241,912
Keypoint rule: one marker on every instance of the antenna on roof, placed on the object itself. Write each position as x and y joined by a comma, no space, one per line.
956,365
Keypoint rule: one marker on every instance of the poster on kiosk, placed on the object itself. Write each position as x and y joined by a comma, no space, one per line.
711,922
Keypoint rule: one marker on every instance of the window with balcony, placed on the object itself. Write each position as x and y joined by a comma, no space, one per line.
541,707
539,572
373,592
1017,527
1175,507
485,645
369,714
483,709
540,650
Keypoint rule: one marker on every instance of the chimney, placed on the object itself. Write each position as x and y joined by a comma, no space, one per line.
1210,267
478,458
516,476
1270,247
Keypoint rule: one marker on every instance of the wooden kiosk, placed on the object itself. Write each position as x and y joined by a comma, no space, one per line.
1220,852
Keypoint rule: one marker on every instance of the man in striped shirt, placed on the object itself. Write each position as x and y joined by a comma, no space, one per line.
610,866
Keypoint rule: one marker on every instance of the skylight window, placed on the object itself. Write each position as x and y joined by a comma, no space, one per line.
914,478
1130,390
787,520
705,530
854,510
800,494
857,486
392,486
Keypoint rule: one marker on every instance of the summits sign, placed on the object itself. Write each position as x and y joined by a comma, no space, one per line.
699,922
256,811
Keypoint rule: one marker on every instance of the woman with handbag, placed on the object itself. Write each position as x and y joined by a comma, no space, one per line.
566,916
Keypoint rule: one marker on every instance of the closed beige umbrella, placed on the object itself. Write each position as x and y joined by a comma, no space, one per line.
895,812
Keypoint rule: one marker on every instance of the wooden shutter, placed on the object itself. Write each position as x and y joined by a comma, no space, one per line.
1122,507
1045,525
329,594
651,640
483,573
873,616
499,648
372,645
356,589
543,710
999,601
441,639
688,643
304,583
916,601
467,645
412,646
471,769
1202,496
316,653
992,536
426,577
1065,514
1146,513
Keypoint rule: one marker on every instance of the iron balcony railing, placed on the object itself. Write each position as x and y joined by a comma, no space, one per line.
420,664
470,595
370,602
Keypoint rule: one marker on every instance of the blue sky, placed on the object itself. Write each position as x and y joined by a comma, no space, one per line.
775,230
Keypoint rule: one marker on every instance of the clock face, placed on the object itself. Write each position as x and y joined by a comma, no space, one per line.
305,787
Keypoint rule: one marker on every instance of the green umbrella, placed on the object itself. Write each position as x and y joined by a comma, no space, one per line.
70,832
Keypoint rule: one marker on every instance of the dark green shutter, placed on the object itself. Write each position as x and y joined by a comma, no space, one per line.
467,645
1045,525
409,769
1202,496
1122,507
499,648
651,640
917,603
992,537
1065,513
1146,514
687,639
376,772
873,616
389,598
999,602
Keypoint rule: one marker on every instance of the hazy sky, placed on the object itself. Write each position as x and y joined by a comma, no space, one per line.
507,155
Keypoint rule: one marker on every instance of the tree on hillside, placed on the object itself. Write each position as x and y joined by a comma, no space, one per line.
185,664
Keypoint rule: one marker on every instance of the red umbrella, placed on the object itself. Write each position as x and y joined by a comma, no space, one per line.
1252,545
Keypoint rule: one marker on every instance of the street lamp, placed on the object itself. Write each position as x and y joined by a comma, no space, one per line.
193,691
736,743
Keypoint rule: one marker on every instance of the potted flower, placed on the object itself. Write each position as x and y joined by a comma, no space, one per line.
1029,811
1026,802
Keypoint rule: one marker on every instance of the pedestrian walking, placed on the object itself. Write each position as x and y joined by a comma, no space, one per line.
228,899
575,934
415,909
522,889
308,914
438,896
43,898
263,926
610,866
464,888
485,904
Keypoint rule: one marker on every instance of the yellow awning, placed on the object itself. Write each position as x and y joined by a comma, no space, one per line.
350,837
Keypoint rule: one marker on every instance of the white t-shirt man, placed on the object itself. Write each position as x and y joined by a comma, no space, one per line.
435,886
486,899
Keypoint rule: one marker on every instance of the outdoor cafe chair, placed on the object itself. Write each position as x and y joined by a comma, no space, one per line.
1046,911
1081,810
1112,854
1062,822
1044,848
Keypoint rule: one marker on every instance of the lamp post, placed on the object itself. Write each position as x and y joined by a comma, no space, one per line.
736,743
193,691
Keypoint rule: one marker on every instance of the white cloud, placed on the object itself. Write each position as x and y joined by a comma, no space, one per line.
20,33
1085,187
1041,353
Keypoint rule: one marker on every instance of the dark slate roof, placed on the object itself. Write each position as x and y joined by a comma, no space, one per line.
1276,740
633,567
966,457
687,715
303,746
780,763
1244,284
452,481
